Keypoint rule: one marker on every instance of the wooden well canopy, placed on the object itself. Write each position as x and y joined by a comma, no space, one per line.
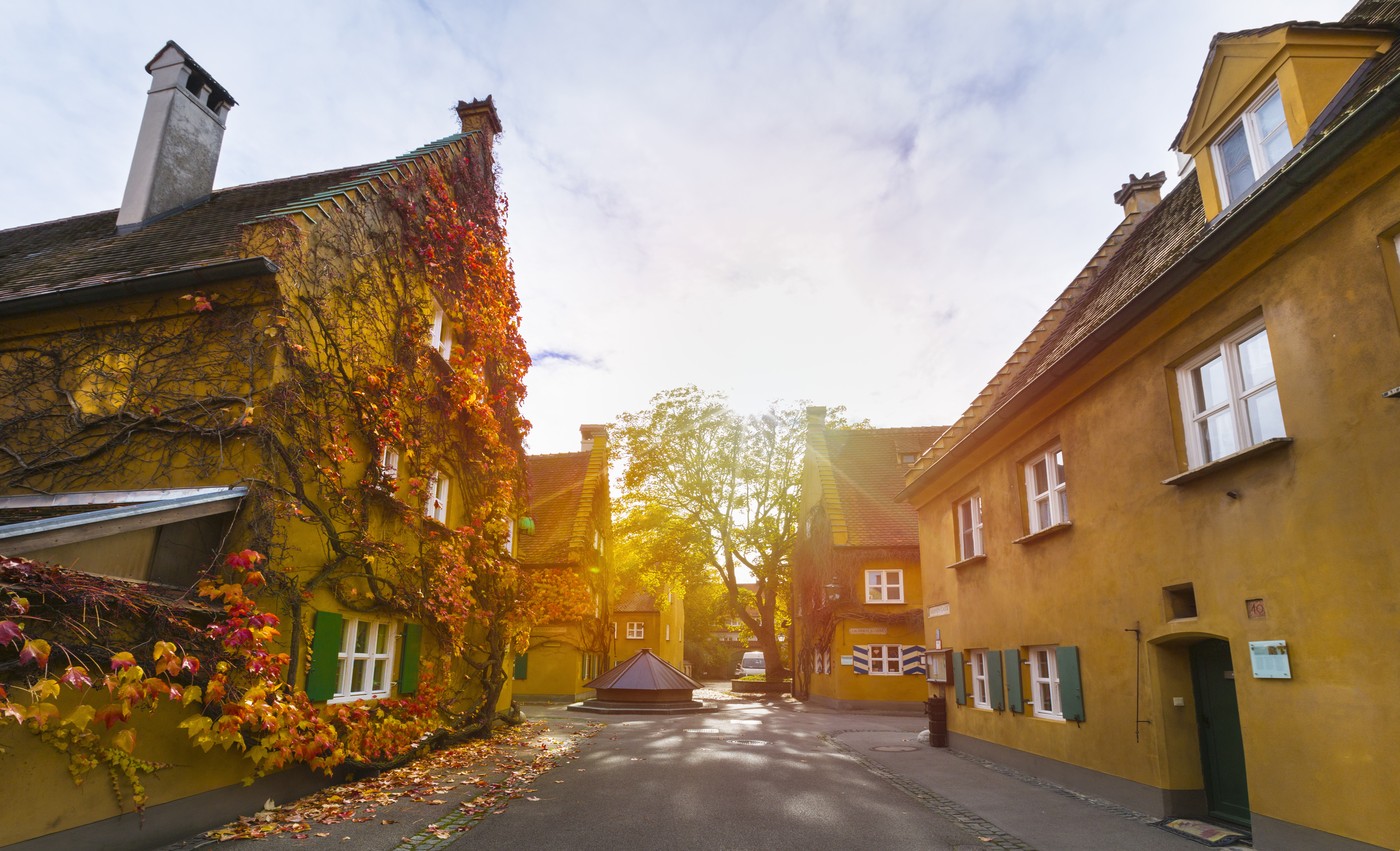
643,683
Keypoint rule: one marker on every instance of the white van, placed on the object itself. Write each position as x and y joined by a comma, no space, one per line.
751,665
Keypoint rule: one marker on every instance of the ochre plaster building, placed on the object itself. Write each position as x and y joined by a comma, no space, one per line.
1161,541
202,370
570,554
655,622
857,588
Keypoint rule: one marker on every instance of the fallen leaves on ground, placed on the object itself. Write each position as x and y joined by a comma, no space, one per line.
491,771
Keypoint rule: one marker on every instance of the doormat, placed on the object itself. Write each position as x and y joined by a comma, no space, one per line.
1202,832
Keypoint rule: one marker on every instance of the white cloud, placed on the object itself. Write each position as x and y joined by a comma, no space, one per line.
853,203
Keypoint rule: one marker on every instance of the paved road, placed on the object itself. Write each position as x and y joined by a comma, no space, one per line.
753,776
778,774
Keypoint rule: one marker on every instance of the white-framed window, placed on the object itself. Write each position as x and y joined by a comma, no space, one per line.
981,691
1229,396
970,527
441,336
1046,497
389,463
366,660
636,629
508,546
885,659
884,586
1045,683
668,632
435,506
1251,146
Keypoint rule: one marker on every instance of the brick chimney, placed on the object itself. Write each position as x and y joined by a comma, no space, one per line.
1140,194
591,433
177,149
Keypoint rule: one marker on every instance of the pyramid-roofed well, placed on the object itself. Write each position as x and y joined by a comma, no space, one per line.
644,671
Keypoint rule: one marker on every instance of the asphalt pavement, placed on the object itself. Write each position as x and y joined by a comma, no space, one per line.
777,774
769,773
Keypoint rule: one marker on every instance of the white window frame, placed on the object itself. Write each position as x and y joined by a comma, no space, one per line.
668,632
389,463
439,489
636,630
1255,140
981,688
510,536
372,656
1045,683
1236,406
886,659
1056,494
969,527
441,337
879,589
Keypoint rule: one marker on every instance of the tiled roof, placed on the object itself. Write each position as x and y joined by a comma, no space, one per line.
86,251
868,475
637,601
556,490
1097,304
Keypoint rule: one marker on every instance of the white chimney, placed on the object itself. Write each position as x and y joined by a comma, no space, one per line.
177,149
592,432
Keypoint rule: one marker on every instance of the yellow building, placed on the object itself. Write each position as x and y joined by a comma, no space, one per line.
654,622
307,367
1160,542
568,555
856,583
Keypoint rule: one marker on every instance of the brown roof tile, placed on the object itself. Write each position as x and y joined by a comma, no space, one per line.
869,475
645,671
556,487
637,601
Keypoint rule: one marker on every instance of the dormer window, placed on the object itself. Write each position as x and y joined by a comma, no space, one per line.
1252,145
441,339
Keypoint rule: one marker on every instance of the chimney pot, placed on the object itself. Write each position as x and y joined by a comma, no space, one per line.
479,115
592,432
177,149
1140,194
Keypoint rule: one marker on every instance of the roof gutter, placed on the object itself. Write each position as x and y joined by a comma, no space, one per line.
1226,233
106,289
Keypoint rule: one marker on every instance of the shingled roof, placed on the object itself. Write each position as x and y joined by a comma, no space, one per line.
867,474
557,484
1131,274
637,601
79,256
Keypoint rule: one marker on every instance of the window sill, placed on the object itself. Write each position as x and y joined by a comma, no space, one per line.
1047,532
884,602
970,560
1273,444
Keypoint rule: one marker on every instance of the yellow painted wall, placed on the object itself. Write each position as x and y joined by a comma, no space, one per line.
843,684
669,645
1309,528
555,666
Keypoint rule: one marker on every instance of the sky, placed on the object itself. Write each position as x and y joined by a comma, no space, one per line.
865,204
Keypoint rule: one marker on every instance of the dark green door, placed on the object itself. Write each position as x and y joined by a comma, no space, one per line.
1218,717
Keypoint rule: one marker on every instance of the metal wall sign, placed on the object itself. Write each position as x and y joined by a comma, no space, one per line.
1270,660
940,610
868,630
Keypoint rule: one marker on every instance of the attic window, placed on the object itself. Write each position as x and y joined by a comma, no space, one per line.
1252,145
908,458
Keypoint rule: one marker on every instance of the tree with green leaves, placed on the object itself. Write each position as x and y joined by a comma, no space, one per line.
722,488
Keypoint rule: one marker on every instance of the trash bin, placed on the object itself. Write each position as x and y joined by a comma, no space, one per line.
936,708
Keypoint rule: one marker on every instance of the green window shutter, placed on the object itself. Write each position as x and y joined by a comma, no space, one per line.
1014,697
959,681
1071,687
522,666
994,686
412,651
324,675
